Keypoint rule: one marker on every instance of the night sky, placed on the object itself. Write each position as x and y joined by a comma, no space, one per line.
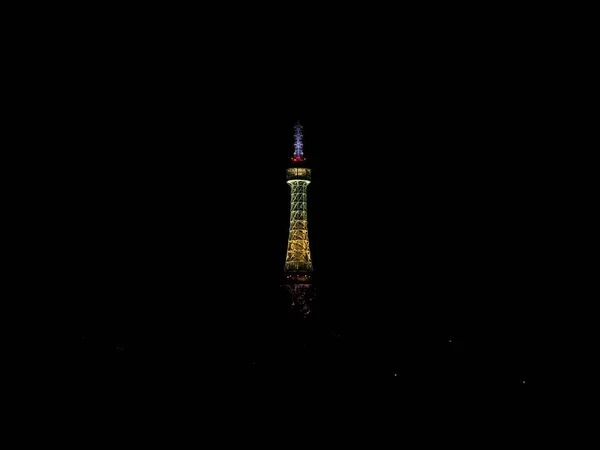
430,217
425,234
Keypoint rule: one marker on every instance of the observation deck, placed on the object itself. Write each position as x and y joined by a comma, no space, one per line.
298,173
298,277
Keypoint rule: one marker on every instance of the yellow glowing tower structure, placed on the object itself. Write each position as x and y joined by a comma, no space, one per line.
298,262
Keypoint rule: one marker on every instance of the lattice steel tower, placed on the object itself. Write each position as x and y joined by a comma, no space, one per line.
298,263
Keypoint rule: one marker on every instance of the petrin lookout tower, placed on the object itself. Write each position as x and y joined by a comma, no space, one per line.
298,262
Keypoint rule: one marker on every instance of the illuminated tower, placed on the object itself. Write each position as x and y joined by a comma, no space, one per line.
298,262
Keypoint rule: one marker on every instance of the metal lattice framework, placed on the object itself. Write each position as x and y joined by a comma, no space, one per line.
298,144
298,263
298,252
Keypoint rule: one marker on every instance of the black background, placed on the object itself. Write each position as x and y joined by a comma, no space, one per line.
422,232
432,210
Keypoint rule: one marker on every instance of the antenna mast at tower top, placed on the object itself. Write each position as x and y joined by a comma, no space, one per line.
298,144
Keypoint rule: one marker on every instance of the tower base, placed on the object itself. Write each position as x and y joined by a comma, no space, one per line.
301,296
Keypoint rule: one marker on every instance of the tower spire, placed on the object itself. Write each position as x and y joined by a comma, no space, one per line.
298,143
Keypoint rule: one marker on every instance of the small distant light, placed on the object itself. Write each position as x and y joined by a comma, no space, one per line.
523,381
395,374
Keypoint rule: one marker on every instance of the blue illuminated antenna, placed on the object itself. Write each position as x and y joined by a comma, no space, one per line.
298,144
